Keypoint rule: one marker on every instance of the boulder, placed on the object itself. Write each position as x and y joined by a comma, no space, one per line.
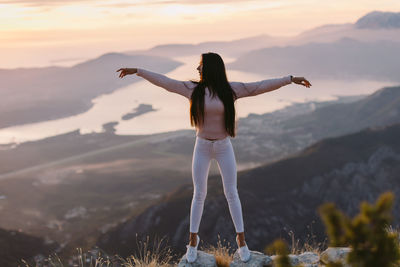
203,260
335,254
257,259
294,259
309,258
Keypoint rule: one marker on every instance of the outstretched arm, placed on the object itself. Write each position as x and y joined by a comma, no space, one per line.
256,88
183,88
259,87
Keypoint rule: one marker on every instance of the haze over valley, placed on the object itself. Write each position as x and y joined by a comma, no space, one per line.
90,159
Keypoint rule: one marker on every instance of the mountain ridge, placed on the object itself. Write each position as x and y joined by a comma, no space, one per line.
379,20
16,245
59,92
129,160
338,169
345,59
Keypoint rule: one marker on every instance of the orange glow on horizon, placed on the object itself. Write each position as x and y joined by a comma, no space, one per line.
141,24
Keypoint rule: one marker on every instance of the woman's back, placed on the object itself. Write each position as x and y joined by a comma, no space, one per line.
214,123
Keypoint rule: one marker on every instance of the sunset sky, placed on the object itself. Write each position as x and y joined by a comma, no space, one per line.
49,28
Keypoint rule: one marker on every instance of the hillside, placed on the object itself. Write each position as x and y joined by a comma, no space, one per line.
232,48
379,19
278,197
366,49
278,134
86,184
378,109
345,59
15,246
39,94
372,27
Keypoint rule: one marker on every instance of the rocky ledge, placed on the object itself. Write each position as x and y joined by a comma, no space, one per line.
258,259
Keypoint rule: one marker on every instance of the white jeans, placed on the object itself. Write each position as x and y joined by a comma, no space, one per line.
222,151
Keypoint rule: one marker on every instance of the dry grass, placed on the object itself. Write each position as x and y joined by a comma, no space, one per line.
156,257
82,260
394,230
310,244
222,253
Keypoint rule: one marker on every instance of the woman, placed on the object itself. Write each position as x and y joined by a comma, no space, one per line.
212,112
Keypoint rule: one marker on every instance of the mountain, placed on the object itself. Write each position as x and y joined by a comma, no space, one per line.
15,245
277,198
362,30
232,48
379,20
322,34
81,185
345,59
287,130
378,109
40,94
272,136
358,31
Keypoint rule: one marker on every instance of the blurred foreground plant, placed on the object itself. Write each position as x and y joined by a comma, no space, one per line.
367,233
281,250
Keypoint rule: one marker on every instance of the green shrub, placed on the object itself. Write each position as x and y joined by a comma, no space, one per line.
280,248
366,234
335,223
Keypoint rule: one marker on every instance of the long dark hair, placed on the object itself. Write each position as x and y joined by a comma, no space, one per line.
214,77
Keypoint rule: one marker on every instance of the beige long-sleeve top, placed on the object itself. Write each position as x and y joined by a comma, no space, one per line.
214,125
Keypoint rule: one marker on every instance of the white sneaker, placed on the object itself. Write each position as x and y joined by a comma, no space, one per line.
244,252
191,253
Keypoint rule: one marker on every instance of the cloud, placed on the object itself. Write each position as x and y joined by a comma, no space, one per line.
194,2
120,4
110,3
40,3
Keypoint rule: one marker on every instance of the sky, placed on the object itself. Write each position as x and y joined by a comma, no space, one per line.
34,31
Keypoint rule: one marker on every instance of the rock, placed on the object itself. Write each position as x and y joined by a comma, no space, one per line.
294,259
335,254
257,259
309,258
203,260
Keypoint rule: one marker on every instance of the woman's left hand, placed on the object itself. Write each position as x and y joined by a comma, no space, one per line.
126,71
302,81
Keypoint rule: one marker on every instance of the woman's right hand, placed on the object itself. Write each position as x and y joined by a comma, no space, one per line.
126,71
302,81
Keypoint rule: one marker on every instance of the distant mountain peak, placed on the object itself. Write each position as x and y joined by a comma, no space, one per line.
379,20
